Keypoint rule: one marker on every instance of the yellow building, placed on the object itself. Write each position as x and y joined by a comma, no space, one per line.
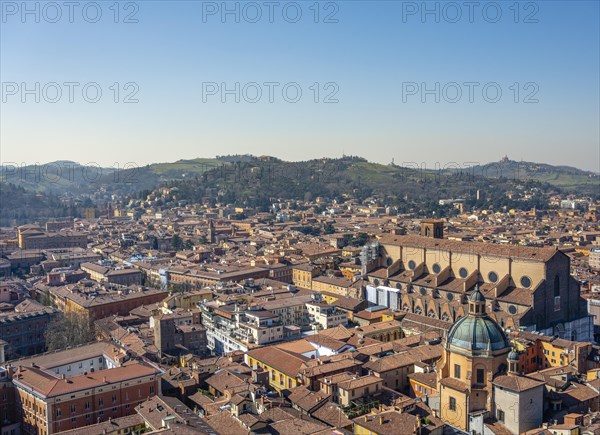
282,366
189,299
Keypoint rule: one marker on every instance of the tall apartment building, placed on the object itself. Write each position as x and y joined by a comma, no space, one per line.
232,327
77,387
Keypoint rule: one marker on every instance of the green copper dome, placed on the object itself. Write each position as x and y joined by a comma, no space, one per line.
477,333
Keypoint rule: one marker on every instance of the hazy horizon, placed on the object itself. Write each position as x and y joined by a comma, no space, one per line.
420,164
384,80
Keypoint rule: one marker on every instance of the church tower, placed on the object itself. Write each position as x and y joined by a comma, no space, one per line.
432,228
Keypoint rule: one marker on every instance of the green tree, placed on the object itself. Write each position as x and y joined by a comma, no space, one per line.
329,228
177,243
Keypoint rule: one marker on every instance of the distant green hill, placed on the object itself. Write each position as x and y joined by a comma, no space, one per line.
260,181
564,177
70,177
247,180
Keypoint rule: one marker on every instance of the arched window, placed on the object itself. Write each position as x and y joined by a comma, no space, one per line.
556,286
427,232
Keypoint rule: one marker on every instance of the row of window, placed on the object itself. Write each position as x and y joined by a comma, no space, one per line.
479,373
463,272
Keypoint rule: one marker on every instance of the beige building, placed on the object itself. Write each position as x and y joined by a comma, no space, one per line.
594,258
474,352
525,286
358,388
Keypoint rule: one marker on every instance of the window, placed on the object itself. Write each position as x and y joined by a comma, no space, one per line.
463,273
556,286
525,281
452,404
436,268
412,265
480,376
456,371
493,276
501,416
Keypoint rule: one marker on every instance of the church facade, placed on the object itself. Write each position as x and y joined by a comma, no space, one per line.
525,287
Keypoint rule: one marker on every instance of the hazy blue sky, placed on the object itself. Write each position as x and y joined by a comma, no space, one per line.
376,57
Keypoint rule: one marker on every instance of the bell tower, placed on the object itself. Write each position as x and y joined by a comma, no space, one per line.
433,228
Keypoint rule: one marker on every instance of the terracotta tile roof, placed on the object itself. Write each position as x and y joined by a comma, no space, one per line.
305,399
115,425
513,251
280,360
378,327
408,358
297,426
360,382
390,423
48,385
329,367
225,423
517,383
224,380
428,379
332,415
455,384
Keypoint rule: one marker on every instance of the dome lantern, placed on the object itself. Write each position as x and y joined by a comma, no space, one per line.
477,303
513,362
